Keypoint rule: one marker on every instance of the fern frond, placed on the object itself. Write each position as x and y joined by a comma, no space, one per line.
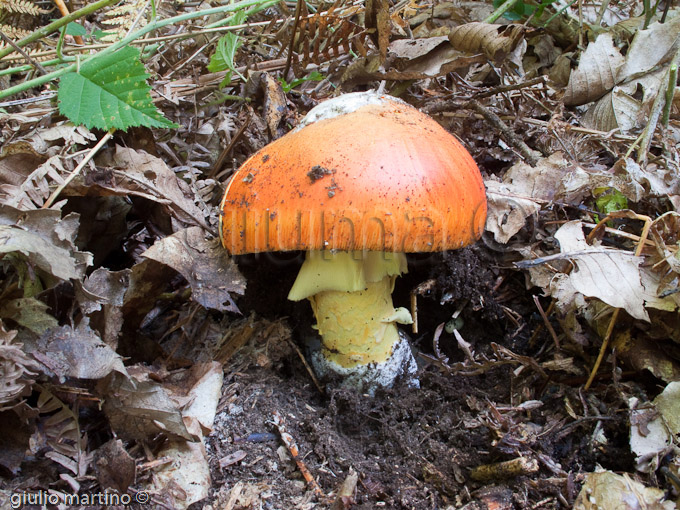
62,434
34,191
21,6
325,36
13,32
122,18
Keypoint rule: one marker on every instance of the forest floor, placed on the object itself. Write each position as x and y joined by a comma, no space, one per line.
138,357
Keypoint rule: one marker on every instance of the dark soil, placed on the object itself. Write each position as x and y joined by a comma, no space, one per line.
413,448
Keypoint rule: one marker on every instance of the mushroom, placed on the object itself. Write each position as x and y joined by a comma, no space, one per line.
363,180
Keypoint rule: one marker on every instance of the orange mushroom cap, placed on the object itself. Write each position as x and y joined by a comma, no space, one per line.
384,177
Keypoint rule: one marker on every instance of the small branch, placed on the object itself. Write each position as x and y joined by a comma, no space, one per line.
126,40
615,315
289,58
78,169
670,92
505,130
547,322
28,58
295,453
65,12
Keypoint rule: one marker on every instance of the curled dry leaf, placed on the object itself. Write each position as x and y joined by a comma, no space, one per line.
186,478
201,388
129,172
507,210
523,190
78,353
596,72
651,48
114,466
420,58
16,368
495,41
139,408
610,275
33,189
45,239
608,491
207,267
102,287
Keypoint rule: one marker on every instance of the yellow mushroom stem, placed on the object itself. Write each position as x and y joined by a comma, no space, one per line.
351,296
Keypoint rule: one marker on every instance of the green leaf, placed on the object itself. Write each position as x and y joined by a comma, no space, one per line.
110,91
313,76
75,29
223,58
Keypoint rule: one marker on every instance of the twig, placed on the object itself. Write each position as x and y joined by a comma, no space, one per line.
309,369
547,322
262,4
645,139
33,63
294,452
506,131
289,58
65,12
223,155
508,469
78,169
670,91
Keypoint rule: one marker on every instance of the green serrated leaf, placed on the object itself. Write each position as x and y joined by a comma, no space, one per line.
75,29
223,58
110,91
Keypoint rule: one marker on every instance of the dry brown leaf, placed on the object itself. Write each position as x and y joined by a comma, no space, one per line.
621,107
139,408
129,172
495,41
610,275
77,353
608,491
507,210
186,478
523,190
653,428
114,466
16,368
102,287
36,186
430,56
596,72
45,239
651,48
207,267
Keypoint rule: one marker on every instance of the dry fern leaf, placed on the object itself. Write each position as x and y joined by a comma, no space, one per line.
495,41
21,7
62,433
325,36
35,190
13,32
124,17
16,368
